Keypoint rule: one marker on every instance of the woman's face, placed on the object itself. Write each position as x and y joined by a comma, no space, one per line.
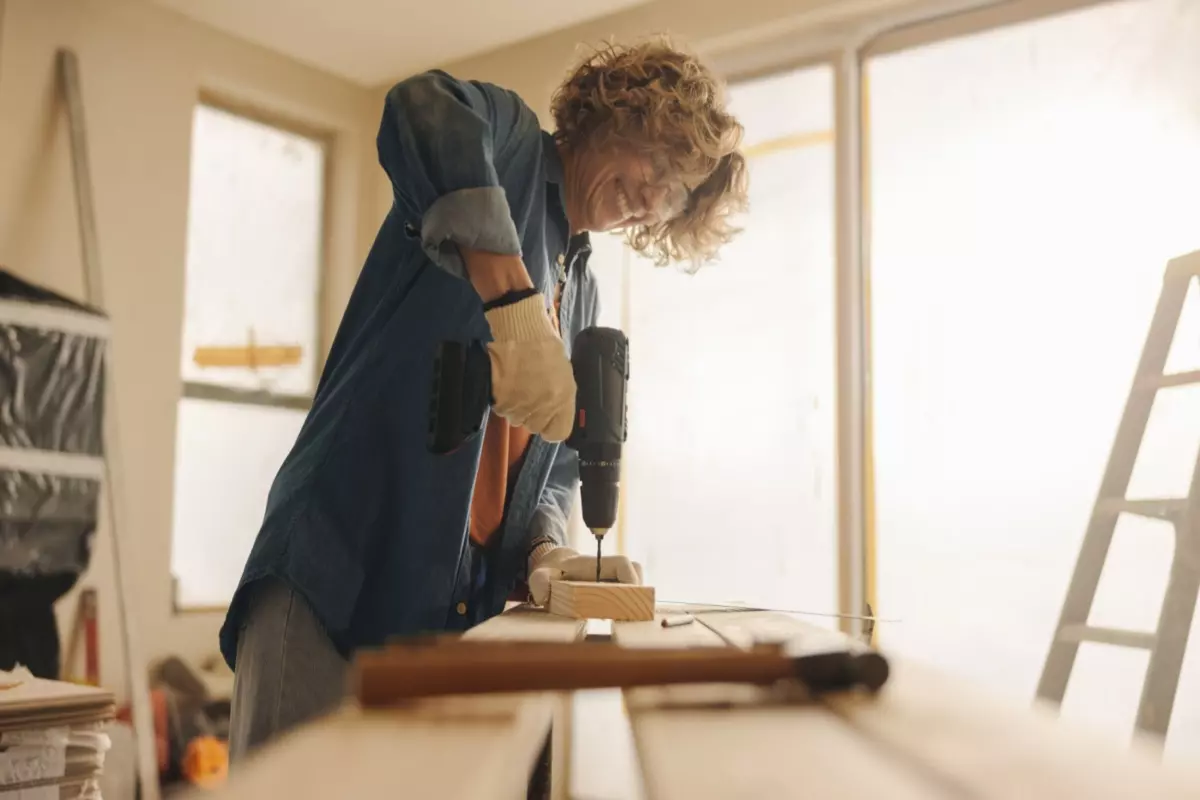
610,189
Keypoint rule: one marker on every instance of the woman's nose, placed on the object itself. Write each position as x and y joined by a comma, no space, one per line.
654,198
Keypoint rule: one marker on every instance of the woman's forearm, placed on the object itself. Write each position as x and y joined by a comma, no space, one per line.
494,275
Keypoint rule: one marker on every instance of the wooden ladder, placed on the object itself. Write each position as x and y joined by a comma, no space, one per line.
93,280
1168,644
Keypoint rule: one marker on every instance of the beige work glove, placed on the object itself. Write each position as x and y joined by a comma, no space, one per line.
532,382
549,562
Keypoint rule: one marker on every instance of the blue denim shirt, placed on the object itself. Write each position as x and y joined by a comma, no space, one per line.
366,524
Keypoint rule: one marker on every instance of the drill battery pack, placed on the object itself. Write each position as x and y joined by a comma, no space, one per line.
460,395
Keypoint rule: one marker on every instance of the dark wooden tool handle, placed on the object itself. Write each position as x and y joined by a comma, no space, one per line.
384,677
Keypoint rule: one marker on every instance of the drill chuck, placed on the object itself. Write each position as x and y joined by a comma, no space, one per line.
599,478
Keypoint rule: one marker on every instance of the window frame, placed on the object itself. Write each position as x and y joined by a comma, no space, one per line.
214,392
847,42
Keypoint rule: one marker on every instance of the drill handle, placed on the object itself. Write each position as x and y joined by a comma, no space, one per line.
600,363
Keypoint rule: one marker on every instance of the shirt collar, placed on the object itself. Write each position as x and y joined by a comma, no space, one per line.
554,165
579,244
552,162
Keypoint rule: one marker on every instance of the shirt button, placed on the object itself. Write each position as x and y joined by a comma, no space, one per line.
461,608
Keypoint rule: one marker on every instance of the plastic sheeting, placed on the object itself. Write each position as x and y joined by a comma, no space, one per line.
51,438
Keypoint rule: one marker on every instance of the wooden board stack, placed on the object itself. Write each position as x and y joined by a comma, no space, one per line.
52,737
923,737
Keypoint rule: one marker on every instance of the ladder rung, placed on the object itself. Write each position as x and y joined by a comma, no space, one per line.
1154,382
1167,509
1113,636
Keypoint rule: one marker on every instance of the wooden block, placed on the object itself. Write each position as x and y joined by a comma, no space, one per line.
248,356
616,601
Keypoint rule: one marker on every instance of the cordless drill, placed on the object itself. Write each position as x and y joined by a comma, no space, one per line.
462,377
600,361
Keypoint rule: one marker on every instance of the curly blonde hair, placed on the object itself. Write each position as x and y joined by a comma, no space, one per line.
657,99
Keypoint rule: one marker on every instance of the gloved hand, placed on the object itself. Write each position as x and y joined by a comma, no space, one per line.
532,382
549,563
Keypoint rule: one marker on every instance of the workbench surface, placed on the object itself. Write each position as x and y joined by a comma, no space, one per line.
924,736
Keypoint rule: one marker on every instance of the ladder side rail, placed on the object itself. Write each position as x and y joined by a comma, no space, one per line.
1175,619
1098,538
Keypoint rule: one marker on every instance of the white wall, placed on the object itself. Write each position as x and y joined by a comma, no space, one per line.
142,71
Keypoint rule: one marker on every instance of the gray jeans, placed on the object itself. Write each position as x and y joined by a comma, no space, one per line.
288,671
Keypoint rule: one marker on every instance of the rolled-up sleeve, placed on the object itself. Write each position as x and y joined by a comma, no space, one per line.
438,142
553,512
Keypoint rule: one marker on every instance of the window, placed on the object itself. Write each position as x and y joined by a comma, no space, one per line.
250,336
729,481
1028,186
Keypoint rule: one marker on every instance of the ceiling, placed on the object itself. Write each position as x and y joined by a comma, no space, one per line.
375,41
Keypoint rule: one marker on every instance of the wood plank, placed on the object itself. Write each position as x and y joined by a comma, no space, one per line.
37,694
1004,751
720,741
976,745
745,628
603,758
29,702
421,746
604,762
41,719
590,600
355,753
765,751
653,634
526,623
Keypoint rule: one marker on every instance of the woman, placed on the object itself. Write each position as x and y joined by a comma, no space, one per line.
366,534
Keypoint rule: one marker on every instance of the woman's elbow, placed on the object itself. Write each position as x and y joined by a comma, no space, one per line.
428,94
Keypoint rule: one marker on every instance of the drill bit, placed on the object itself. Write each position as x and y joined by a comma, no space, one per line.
598,541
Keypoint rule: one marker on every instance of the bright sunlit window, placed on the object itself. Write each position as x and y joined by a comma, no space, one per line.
729,490
1028,186
250,338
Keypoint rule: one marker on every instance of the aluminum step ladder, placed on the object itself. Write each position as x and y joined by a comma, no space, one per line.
1168,644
